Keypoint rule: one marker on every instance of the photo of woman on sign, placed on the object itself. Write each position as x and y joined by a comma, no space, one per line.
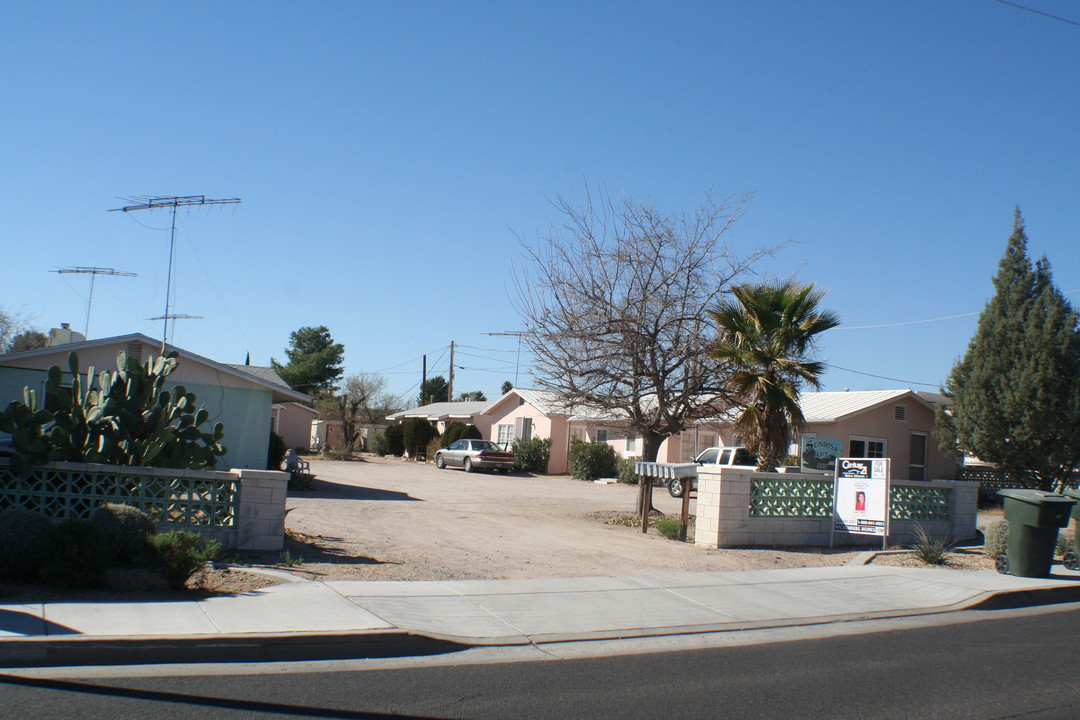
860,501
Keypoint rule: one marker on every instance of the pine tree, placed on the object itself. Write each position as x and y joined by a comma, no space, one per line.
1016,392
315,361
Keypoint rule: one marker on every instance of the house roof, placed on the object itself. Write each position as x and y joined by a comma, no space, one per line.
832,406
548,403
281,391
266,374
443,411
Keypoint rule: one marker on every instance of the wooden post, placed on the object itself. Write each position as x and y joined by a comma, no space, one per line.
647,504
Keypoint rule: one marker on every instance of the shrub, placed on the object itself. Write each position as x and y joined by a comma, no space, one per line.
416,434
457,431
395,440
24,539
180,553
931,550
379,445
77,555
996,538
626,470
301,481
592,460
433,446
275,452
339,452
669,527
1064,544
532,455
126,529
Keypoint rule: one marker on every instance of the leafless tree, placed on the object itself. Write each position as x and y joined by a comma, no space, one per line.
12,326
361,398
614,306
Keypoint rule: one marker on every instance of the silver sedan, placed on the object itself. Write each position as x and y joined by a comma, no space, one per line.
475,455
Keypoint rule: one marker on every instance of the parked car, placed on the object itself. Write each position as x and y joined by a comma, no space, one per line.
475,455
714,456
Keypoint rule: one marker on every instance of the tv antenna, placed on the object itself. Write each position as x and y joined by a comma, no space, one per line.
93,272
174,202
512,333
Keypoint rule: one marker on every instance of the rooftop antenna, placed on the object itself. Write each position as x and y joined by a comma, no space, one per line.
174,317
93,272
512,333
174,202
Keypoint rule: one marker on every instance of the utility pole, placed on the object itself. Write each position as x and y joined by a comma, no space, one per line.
423,383
450,384
174,202
93,272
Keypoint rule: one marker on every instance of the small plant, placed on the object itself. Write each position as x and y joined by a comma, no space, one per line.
77,555
626,470
301,481
180,553
532,455
379,445
338,452
287,559
126,529
929,549
1064,544
669,527
996,538
24,538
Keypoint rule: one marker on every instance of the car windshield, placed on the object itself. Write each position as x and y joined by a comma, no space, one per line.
485,445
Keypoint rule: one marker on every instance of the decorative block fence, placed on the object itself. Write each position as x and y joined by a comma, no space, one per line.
243,509
740,508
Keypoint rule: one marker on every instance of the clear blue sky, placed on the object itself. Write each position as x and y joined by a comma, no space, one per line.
389,155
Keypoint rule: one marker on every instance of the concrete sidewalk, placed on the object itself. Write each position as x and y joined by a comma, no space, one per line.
327,620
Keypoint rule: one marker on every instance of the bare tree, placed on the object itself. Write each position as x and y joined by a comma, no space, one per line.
12,326
615,310
361,398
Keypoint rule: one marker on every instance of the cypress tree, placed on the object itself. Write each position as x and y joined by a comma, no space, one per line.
1016,392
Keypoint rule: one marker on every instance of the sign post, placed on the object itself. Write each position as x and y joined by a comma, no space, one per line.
861,497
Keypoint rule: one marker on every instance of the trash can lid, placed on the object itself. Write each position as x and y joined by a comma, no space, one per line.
1036,497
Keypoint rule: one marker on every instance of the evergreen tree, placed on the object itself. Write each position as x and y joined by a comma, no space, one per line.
315,361
1016,392
434,390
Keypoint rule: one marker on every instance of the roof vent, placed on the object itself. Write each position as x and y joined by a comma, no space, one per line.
134,351
900,413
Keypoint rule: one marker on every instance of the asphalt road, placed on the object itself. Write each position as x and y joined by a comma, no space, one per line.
1015,665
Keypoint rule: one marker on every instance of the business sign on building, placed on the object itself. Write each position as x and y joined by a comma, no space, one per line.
819,455
861,496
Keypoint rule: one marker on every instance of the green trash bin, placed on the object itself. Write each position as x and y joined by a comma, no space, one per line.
1072,558
1034,519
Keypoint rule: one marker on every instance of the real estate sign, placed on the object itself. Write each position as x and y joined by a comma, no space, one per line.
819,455
861,496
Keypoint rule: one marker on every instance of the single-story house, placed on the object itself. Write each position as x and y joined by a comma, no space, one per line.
442,414
290,419
240,397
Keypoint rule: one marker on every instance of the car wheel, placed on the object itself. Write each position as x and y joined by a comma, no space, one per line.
468,465
439,462
675,487
1001,563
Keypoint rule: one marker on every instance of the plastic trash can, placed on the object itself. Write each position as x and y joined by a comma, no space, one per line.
1034,519
1072,558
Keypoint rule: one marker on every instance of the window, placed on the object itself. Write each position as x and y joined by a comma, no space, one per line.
601,435
506,434
525,429
631,444
917,457
865,447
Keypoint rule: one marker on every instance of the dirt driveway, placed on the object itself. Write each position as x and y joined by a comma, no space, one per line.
385,519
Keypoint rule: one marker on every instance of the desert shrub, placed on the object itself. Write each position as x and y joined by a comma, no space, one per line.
24,539
592,460
275,452
931,550
339,452
532,455
180,553
433,446
379,445
395,440
996,538
1064,544
669,527
126,529
417,433
77,555
458,430
301,481
626,470
791,461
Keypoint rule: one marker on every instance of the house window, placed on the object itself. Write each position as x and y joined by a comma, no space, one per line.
526,428
917,457
631,444
578,434
506,434
601,435
900,413
866,447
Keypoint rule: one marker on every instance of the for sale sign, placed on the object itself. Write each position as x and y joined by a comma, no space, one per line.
861,496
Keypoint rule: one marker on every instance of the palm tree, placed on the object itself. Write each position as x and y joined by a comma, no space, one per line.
767,335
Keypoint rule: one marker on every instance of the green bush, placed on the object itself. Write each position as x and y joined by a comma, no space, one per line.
180,553
416,433
24,539
457,431
626,470
532,455
77,555
669,527
126,529
301,481
433,446
996,538
592,460
395,440
931,550
379,445
275,452
1064,543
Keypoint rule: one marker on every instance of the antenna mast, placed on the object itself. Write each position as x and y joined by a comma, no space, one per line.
154,203
93,272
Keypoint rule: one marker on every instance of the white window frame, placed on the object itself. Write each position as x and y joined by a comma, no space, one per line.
631,444
602,435
505,434
866,440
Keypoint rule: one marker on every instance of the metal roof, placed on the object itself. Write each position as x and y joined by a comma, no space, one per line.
832,406
443,410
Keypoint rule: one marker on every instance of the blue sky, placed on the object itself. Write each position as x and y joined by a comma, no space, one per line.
390,155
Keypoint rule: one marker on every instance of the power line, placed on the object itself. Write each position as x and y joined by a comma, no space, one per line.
1038,12
882,377
919,322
